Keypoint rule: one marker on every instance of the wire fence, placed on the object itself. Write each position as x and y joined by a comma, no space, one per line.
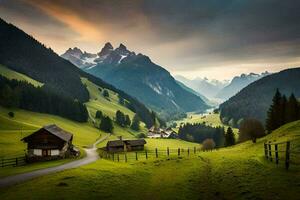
148,154
286,153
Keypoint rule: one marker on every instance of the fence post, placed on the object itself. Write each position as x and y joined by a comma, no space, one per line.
178,152
2,162
194,150
188,151
266,150
16,161
136,156
287,155
113,156
146,153
156,154
125,156
168,151
276,154
270,151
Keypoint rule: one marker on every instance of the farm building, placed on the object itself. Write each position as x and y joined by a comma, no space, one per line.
48,143
125,145
155,132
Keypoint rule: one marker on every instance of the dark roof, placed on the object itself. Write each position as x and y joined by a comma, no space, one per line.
116,143
136,142
55,130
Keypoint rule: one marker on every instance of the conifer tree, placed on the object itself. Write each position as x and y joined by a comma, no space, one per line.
273,116
135,123
292,109
229,137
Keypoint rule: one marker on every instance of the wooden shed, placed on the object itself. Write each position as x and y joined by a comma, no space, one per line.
125,145
49,142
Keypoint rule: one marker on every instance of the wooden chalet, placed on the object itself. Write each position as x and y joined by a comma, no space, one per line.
125,145
48,143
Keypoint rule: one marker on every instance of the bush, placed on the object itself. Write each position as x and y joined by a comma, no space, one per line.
106,124
105,93
99,114
11,114
208,144
141,135
251,129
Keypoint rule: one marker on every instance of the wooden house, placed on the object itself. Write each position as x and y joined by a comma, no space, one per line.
161,133
125,145
48,143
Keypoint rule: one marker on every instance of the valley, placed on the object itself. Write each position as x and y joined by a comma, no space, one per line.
149,100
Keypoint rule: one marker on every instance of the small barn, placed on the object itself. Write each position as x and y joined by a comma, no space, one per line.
125,145
48,143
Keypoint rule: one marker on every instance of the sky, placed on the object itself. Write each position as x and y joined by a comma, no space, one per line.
197,38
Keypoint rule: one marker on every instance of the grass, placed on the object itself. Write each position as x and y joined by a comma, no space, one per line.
12,130
162,144
238,172
10,74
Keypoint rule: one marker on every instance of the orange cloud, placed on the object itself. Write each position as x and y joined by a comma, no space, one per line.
86,30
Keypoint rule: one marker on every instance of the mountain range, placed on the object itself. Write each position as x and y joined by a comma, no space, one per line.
22,53
238,83
203,86
138,76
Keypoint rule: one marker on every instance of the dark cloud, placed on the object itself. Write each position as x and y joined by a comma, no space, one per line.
179,34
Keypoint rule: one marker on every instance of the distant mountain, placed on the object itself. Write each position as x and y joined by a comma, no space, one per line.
205,99
24,54
254,100
204,86
238,83
137,75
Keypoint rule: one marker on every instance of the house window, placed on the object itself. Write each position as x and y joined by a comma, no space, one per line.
37,152
54,152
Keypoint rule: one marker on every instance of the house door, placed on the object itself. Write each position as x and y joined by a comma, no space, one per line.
45,152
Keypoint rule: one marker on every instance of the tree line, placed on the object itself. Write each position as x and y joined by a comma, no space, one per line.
21,94
282,110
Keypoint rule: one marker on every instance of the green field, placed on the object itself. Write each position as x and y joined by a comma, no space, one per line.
25,122
239,172
4,71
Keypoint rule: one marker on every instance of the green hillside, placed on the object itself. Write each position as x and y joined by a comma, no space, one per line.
239,172
4,71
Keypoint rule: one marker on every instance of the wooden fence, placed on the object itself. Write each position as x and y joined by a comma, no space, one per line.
281,152
146,154
17,161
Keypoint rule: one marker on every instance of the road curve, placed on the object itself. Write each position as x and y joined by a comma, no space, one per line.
91,156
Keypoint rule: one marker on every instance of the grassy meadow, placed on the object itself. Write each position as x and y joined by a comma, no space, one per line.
238,172
10,74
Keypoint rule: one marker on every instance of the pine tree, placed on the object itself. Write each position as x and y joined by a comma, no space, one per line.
273,117
135,123
106,124
229,137
120,118
127,120
99,114
292,109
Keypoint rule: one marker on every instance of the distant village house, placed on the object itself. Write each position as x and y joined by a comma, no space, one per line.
48,143
155,132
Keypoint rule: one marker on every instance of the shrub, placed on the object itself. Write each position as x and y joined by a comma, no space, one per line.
142,135
208,144
99,114
105,93
251,129
11,114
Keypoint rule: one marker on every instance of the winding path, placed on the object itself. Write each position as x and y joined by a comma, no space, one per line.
91,156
